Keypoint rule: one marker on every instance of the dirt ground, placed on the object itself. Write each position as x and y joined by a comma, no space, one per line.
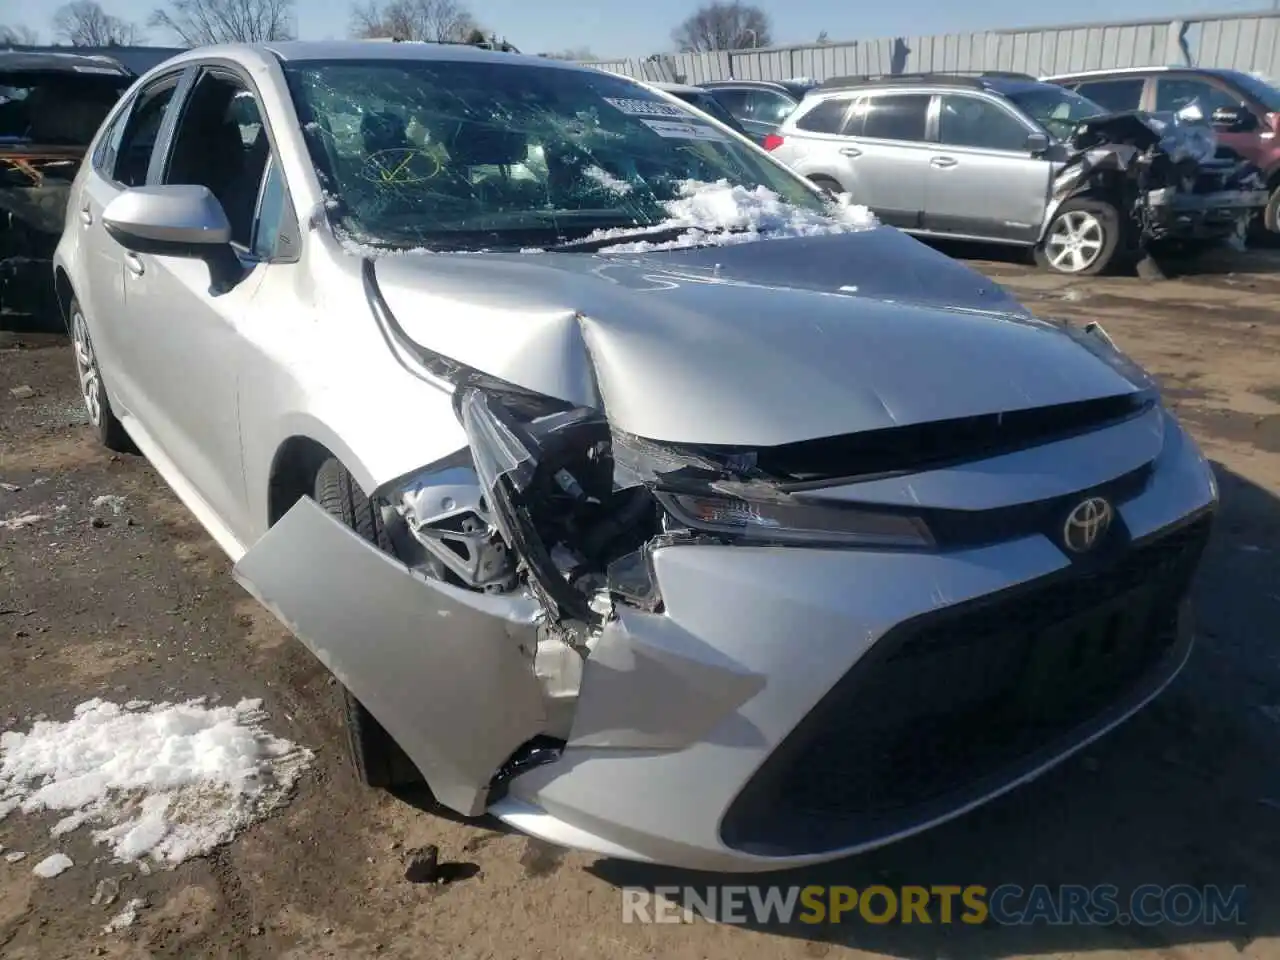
141,605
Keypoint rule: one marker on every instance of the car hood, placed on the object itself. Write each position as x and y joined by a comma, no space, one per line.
759,343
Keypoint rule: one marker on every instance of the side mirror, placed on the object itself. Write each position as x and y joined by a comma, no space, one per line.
1234,119
1037,143
175,220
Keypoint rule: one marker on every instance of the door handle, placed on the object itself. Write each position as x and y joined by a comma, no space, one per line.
943,162
850,152
134,264
86,215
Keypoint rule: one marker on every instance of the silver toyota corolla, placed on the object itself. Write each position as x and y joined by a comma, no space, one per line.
637,493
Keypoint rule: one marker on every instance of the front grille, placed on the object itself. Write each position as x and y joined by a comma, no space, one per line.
948,706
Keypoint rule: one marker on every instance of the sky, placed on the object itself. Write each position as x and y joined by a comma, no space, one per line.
619,28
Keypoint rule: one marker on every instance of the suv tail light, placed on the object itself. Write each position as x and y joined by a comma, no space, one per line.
772,141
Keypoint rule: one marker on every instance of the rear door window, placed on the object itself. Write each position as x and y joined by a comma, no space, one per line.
895,116
1117,95
826,116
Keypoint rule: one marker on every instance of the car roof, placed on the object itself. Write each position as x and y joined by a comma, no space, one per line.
301,51
1004,83
25,61
1221,72
795,87
677,87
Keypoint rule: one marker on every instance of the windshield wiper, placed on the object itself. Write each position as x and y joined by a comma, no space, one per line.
653,235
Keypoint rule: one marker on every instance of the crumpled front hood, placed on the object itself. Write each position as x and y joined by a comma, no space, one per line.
754,344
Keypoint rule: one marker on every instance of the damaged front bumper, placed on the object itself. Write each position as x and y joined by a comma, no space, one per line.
718,702
1174,214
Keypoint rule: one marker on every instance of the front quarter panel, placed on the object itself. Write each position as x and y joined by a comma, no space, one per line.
316,367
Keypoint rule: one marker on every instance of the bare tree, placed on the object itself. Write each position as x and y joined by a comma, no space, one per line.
434,20
723,26
197,22
19,36
83,23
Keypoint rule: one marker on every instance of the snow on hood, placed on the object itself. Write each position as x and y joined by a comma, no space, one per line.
722,213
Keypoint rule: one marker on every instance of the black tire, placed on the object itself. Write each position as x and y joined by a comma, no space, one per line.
1107,219
377,759
93,392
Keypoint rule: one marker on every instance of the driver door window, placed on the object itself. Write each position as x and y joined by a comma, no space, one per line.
769,107
221,143
974,122
127,156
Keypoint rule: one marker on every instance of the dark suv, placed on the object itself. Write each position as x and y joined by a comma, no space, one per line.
1244,110
51,105
760,105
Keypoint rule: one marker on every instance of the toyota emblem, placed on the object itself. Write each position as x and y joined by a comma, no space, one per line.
1086,525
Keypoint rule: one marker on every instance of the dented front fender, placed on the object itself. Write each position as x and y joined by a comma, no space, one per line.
447,672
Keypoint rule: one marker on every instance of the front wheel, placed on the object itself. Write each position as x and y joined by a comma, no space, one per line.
1082,239
377,759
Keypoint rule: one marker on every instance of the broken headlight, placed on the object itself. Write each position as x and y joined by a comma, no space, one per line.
789,520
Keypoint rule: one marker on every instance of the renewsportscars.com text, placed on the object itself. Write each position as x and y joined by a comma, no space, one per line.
972,905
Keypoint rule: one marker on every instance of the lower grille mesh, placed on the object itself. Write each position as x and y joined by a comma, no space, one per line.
947,702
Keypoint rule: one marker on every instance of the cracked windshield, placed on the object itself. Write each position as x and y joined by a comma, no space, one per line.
467,155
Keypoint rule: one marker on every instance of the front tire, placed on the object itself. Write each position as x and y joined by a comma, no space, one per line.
1082,239
376,757
110,431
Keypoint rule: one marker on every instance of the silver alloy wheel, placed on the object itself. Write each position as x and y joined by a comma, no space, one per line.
87,368
1075,241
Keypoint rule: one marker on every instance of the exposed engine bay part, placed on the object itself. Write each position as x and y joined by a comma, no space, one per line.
557,500
1163,173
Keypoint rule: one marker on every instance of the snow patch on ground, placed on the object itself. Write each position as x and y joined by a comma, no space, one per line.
126,917
168,781
25,520
52,865
15,857
722,213
111,502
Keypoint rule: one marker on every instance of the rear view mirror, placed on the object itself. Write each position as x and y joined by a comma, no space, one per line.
175,220
1037,143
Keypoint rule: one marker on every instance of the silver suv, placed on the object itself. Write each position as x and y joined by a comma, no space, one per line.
970,157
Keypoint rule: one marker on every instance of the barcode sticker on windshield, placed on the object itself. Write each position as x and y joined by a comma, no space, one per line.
647,108
684,131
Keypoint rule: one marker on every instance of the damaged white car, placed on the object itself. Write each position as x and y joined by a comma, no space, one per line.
636,493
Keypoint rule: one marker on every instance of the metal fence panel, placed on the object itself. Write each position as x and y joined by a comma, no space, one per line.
1248,42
